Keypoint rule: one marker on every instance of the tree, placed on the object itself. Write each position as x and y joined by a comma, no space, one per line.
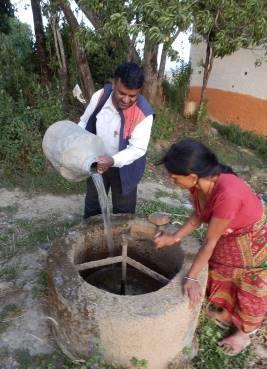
226,26
6,11
87,82
40,41
145,25
61,58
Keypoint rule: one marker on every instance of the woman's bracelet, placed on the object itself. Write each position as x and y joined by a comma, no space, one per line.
191,279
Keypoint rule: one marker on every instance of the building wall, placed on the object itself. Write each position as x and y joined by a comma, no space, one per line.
237,89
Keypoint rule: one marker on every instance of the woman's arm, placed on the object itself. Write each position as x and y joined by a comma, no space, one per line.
168,239
216,228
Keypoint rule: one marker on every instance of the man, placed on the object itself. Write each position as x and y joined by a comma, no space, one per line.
123,118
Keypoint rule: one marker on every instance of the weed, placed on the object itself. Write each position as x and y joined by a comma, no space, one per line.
138,364
9,313
59,360
41,290
164,126
8,247
9,271
210,355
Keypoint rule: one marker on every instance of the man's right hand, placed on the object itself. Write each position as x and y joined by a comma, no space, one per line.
104,163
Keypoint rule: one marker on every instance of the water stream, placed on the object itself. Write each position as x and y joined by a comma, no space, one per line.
103,200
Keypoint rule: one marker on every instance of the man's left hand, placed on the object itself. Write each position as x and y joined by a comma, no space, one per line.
104,163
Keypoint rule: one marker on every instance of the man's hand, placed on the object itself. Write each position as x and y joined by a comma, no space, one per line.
104,163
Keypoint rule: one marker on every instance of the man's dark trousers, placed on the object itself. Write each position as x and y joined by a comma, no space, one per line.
122,203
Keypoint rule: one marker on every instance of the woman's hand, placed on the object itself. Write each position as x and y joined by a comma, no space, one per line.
192,290
163,239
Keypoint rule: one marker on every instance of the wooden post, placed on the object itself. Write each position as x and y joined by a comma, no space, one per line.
98,263
124,245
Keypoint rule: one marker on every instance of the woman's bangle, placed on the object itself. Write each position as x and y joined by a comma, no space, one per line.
191,279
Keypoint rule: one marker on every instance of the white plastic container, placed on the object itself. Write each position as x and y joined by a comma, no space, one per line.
72,150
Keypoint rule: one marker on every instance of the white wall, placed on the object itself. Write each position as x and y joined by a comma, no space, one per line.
236,73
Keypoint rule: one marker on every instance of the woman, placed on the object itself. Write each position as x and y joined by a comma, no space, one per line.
236,240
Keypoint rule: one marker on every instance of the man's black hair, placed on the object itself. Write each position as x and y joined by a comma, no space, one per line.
130,74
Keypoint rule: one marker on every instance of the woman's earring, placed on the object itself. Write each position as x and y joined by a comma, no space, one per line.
195,182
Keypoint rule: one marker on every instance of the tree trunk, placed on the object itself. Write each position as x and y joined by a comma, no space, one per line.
133,55
63,71
87,83
207,69
152,86
40,41
162,64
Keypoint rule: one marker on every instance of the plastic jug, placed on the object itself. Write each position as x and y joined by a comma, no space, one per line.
72,150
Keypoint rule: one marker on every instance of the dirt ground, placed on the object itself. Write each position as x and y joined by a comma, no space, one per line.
24,322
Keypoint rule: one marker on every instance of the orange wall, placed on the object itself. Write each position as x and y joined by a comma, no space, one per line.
248,112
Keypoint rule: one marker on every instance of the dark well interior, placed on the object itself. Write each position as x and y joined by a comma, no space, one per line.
166,261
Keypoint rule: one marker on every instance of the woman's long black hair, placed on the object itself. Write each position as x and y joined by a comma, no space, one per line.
190,156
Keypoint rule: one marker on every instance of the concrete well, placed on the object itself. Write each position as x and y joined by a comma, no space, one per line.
153,323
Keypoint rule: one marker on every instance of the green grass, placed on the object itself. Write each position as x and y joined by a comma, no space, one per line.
24,237
50,182
238,136
9,210
171,195
178,215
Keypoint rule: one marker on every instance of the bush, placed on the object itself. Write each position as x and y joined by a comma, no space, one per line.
164,125
176,88
22,128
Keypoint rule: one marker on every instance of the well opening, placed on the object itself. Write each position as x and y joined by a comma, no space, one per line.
135,267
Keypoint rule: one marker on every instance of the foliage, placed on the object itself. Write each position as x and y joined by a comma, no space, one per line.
16,57
177,86
229,25
164,125
101,48
22,129
6,11
235,134
26,110
210,355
